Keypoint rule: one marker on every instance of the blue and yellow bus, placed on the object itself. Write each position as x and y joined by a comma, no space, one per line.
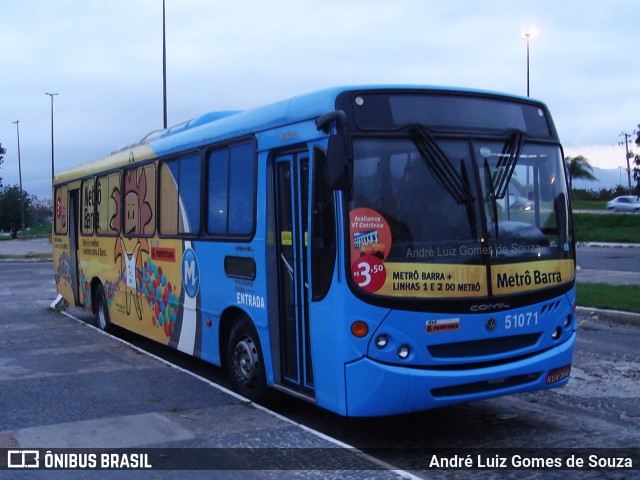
373,250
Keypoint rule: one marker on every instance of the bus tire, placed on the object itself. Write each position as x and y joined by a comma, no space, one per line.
245,365
101,309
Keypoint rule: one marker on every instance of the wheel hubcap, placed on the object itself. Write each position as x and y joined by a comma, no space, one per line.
102,316
245,361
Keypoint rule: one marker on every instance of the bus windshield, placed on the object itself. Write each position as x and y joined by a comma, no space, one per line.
437,217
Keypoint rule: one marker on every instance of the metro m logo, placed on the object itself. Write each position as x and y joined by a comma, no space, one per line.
190,272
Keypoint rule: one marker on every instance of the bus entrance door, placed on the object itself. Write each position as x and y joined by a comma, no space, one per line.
292,221
74,226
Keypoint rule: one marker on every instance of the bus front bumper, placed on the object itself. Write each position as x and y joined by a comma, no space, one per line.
375,389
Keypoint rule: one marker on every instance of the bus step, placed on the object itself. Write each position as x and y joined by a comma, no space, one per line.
296,393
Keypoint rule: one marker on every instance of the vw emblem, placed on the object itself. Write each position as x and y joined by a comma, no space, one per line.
491,324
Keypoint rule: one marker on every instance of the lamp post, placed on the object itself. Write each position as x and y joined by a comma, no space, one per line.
528,34
20,177
164,66
53,162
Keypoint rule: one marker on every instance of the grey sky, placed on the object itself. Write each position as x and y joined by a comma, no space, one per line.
104,59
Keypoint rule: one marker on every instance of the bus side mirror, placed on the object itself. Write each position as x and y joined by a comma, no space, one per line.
339,170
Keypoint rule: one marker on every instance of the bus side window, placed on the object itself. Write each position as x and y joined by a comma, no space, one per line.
180,195
217,191
87,202
323,241
139,201
231,191
107,198
60,213
241,189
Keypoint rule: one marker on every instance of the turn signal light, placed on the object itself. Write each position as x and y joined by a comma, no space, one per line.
359,329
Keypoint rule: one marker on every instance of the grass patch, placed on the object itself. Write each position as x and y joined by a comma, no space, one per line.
625,298
38,231
41,256
588,204
623,228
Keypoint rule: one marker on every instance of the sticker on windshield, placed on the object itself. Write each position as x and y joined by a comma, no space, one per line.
370,246
370,234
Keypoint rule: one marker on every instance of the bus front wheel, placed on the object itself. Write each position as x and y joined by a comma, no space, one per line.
244,360
101,309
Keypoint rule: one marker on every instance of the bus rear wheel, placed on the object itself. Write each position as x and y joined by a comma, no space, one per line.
101,309
244,360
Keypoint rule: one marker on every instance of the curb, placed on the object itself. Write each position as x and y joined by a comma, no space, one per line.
26,260
606,244
624,318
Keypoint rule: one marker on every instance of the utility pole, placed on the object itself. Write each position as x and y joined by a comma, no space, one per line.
626,145
20,176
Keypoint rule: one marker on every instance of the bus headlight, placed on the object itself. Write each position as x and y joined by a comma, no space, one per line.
556,333
404,351
382,341
568,320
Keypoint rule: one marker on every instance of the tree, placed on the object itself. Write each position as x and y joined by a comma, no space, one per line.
40,214
579,167
2,152
636,161
10,208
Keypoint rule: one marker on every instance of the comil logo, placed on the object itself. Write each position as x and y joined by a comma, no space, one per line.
23,459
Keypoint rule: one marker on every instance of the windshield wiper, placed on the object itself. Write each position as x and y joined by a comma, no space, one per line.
507,163
491,197
469,204
441,167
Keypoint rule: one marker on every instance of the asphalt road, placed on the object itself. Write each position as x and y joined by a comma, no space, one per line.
93,383
607,264
623,259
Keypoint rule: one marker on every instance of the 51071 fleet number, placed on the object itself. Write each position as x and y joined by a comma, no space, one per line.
520,320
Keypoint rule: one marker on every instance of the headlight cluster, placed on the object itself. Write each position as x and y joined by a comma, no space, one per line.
382,341
567,324
360,329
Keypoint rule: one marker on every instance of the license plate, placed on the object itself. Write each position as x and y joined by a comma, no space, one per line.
558,374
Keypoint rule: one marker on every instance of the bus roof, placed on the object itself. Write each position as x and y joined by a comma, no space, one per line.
226,125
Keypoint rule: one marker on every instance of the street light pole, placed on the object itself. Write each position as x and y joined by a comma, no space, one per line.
20,177
528,34
53,162
164,66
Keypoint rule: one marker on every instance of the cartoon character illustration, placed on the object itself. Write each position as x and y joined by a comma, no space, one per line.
137,215
130,264
137,209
